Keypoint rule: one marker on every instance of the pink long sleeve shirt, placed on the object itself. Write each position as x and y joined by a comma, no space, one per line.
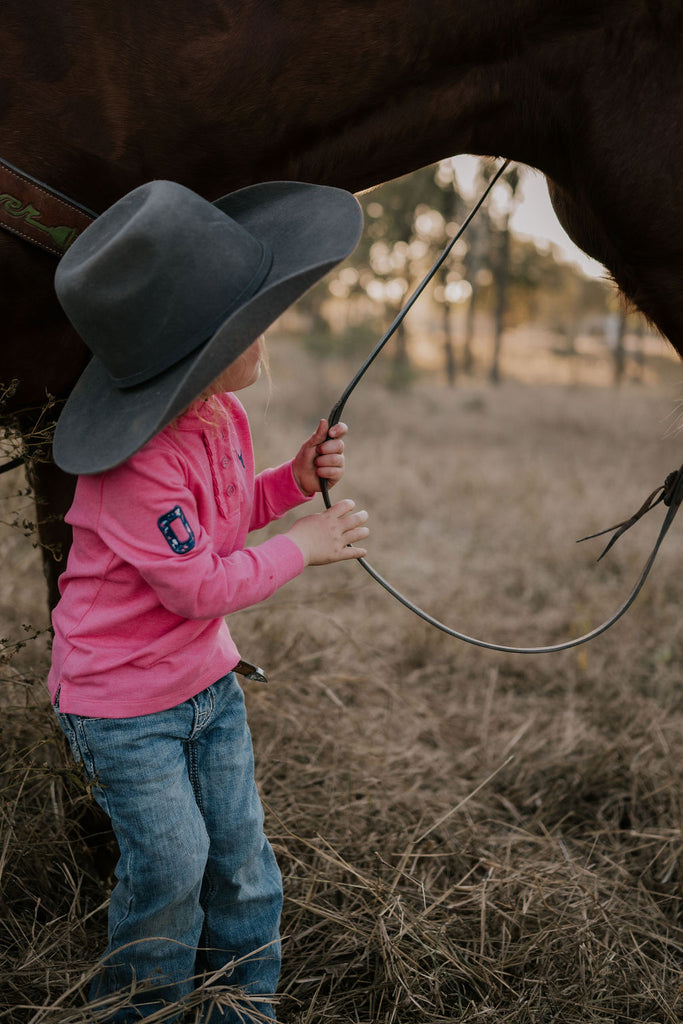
158,559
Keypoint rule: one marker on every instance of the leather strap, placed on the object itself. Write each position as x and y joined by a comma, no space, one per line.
249,671
37,213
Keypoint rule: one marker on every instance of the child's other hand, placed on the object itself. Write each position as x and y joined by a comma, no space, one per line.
329,536
320,456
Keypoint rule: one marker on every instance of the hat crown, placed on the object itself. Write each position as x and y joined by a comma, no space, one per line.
154,277
167,290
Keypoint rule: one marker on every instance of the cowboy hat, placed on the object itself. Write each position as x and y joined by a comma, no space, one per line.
167,289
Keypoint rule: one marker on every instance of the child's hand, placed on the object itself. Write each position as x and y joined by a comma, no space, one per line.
320,457
325,537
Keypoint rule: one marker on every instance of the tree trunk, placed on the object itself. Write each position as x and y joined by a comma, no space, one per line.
502,273
620,350
448,346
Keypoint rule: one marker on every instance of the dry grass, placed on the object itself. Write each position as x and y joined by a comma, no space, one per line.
464,836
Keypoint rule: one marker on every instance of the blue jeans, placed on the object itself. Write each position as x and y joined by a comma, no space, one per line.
198,885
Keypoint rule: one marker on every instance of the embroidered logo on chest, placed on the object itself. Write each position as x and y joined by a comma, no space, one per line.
177,531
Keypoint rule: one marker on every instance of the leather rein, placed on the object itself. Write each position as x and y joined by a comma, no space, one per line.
670,492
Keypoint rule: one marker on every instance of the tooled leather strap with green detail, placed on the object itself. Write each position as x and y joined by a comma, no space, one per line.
38,213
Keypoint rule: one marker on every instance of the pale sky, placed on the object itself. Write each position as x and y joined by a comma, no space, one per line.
534,216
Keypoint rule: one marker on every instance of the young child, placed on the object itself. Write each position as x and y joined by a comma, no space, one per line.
170,292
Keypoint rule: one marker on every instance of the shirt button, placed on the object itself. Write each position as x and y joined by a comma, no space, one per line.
225,461
230,489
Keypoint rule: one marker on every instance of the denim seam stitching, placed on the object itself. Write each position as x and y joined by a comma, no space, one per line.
124,848
86,753
193,766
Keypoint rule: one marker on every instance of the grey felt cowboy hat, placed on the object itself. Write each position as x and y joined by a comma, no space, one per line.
167,289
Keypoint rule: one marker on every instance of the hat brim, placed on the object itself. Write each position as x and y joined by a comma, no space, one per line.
309,229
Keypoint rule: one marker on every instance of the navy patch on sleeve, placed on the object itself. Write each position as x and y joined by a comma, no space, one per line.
179,540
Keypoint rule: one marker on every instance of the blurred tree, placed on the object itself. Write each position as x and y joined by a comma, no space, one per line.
391,255
477,276
621,323
620,348
504,280
505,199
449,204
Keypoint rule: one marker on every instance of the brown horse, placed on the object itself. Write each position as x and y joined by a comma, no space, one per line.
96,100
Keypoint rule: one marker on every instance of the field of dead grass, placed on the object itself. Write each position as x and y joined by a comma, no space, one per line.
464,835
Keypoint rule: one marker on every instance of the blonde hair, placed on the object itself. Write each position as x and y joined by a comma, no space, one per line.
207,409
220,385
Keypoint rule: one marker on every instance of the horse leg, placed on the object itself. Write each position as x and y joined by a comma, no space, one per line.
53,492
87,826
